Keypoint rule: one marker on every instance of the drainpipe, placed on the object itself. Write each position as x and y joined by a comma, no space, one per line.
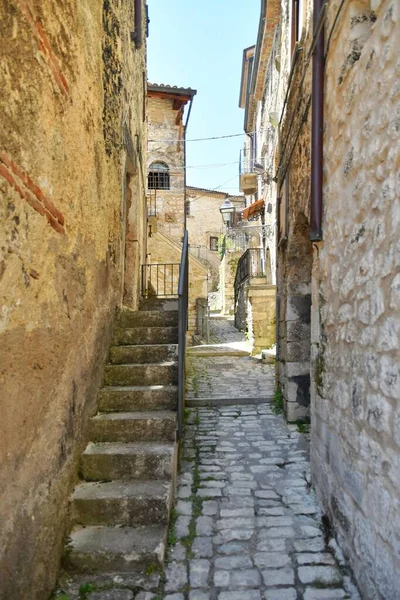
184,159
317,123
137,35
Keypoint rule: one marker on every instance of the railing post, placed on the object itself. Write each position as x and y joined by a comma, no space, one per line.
183,294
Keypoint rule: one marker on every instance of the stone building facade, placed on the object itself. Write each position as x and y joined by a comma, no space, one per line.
338,287
167,156
72,223
205,226
166,193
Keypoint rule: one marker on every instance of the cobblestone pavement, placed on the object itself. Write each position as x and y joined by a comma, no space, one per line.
248,526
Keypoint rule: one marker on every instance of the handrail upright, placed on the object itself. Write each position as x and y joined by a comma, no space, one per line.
183,296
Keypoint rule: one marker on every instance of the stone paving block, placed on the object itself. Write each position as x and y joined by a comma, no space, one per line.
112,595
233,562
274,577
209,507
280,594
315,558
269,494
242,595
174,597
209,493
199,595
146,596
310,545
202,547
273,545
198,573
228,535
222,578
321,575
246,523
182,526
321,594
245,578
231,548
271,559
204,526
237,512
176,576
184,508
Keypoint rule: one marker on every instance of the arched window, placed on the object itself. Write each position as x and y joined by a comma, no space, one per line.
158,178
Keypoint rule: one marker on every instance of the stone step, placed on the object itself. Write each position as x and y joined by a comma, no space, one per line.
146,460
143,354
115,549
146,374
151,426
147,318
128,398
145,335
122,503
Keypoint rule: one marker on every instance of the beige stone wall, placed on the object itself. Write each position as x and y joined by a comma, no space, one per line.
356,306
69,78
170,204
164,250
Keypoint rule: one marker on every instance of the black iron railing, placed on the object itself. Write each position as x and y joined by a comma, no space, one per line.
160,279
183,296
250,264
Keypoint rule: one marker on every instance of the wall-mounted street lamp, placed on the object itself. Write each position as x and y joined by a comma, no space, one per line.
227,209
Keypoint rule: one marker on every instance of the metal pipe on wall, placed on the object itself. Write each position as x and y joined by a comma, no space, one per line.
317,123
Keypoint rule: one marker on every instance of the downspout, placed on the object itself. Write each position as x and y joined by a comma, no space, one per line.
138,35
317,124
184,160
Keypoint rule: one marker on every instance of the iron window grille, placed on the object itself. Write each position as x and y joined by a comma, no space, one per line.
158,178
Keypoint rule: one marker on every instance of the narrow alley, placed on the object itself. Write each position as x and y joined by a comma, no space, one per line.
246,525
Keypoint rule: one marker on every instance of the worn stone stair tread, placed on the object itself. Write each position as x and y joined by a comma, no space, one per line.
108,461
121,489
152,318
128,448
118,502
120,549
147,336
143,353
139,388
162,363
154,415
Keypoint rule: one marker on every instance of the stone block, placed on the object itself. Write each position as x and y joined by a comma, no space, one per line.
299,308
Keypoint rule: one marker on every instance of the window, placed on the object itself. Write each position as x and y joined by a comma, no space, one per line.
297,18
158,178
214,244
187,208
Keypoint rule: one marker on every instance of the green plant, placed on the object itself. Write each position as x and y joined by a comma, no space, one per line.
277,402
62,597
152,569
86,589
303,425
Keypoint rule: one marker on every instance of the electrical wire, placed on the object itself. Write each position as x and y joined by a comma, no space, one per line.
215,137
213,190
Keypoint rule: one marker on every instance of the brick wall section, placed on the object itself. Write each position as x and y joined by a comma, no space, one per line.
356,291
61,256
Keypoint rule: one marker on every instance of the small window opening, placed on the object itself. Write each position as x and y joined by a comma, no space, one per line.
158,178
214,244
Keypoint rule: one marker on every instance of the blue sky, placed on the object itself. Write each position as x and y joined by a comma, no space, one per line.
199,44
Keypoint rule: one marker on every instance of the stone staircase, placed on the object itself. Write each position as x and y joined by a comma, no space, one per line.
120,509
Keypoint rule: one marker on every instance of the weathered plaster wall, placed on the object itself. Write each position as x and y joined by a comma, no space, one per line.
162,125
68,75
356,297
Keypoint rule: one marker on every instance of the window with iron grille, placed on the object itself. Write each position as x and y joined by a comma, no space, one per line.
158,178
187,208
214,244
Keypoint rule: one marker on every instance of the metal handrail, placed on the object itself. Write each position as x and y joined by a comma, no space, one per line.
183,300
160,279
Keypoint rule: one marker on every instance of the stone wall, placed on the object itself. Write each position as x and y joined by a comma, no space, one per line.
294,256
356,296
69,80
162,125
